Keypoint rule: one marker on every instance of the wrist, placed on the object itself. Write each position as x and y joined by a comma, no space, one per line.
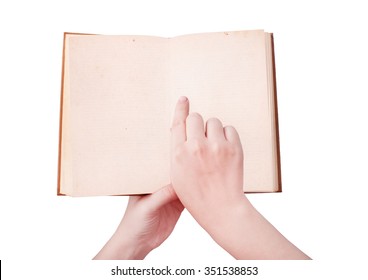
230,220
118,248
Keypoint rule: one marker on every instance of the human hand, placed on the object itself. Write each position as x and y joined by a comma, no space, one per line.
206,167
207,175
147,222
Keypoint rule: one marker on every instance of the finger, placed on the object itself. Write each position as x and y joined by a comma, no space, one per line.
214,129
178,131
232,135
163,196
195,126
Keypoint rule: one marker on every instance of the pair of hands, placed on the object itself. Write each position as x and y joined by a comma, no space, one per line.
207,179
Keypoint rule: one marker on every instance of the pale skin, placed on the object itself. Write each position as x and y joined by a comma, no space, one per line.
147,222
206,179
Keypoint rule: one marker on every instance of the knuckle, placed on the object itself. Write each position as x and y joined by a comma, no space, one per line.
178,152
223,150
197,147
177,123
217,148
232,151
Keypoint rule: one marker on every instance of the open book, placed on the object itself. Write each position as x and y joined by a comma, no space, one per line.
119,94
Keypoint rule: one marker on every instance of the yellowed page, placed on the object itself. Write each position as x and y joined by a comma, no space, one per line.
118,92
225,76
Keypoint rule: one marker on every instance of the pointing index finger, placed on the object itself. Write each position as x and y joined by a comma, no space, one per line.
178,129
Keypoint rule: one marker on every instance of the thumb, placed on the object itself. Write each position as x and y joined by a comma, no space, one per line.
163,196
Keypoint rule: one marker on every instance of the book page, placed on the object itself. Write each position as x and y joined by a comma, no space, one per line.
65,182
224,75
118,91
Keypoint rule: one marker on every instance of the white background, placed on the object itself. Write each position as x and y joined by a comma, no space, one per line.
321,63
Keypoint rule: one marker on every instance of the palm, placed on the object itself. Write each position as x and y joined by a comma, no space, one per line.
162,222
155,216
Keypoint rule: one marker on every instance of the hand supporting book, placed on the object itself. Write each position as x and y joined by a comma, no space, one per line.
207,179
147,222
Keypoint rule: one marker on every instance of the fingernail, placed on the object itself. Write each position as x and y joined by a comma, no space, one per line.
183,98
